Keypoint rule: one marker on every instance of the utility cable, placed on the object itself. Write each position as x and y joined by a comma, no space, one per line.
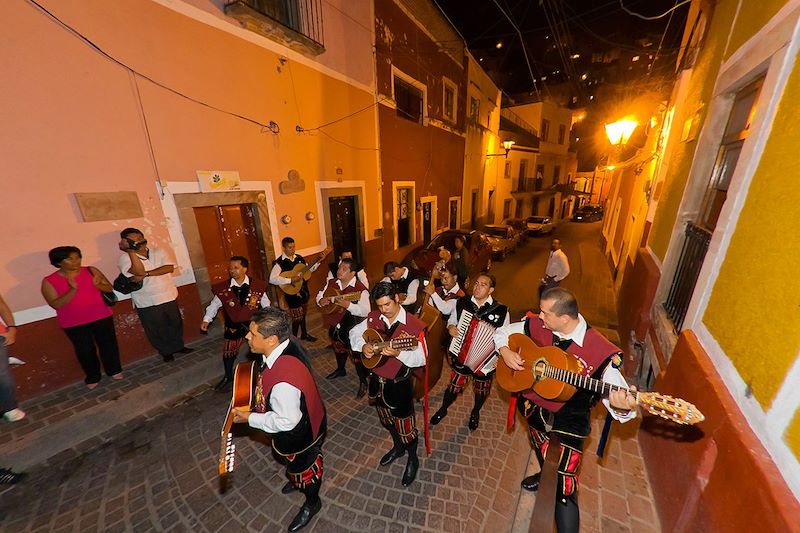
524,48
656,17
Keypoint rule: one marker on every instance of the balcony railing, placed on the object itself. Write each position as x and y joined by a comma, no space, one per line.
695,246
303,19
528,185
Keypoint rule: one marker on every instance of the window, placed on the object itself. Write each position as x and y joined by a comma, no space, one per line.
409,100
506,208
556,174
404,213
545,129
523,174
518,212
562,133
453,218
449,100
507,171
539,177
474,109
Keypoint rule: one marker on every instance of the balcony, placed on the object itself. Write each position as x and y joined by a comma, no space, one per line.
296,24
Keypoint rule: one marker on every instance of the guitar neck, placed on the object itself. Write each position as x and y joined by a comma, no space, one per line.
350,297
583,382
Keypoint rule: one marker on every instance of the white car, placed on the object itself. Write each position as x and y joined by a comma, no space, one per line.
539,225
503,239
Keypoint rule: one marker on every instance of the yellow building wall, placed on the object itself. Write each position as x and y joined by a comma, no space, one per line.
792,435
753,15
697,99
752,311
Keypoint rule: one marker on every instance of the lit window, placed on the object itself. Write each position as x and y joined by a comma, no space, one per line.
635,58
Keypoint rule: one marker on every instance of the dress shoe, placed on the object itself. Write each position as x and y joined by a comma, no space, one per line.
7,477
438,416
362,390
338,373
531,483
186,349
390,456
309,338
288,488
474,420
168,358
305,515
223,384
410,473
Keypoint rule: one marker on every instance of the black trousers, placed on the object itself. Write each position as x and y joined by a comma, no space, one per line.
163,326
87,339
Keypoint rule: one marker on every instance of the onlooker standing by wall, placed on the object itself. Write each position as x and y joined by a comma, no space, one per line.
156,302
75,293
8,399
557,267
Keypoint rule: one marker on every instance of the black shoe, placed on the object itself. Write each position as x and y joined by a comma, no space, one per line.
438,416
362,390
338,373
305,515
168,358
288,488
531,483
474,420
186,349
7,477
309,338
223,384
410,473
395,453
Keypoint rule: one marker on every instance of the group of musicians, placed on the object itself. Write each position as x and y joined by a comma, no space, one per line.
389,351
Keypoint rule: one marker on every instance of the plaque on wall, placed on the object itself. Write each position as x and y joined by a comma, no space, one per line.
119,205
218,180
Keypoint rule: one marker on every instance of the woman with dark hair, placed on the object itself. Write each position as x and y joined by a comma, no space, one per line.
75,292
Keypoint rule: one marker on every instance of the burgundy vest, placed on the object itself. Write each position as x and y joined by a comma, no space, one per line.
596,350
289,369
235,312
337,316
391,366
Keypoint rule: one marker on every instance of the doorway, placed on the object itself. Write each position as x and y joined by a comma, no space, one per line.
429,222
490,208
345,231
473,209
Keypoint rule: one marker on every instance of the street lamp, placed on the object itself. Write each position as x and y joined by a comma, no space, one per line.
506,146
619,133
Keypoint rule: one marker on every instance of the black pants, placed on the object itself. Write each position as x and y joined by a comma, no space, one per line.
163,326
87,339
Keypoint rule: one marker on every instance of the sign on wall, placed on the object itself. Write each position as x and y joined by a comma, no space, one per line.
96,206
218,180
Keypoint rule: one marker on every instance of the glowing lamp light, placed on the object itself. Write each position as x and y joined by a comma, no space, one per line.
620,132
507,145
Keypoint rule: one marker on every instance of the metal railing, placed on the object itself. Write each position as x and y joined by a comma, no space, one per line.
518,121
695,246
301,16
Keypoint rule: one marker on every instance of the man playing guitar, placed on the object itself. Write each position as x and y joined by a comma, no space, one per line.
333,267
483,308
559,324
295,302
405,282
444,297
390,386
348,313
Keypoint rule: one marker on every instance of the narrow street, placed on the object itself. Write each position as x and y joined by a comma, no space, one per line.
162,475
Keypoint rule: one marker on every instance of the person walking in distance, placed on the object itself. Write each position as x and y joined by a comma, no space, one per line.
557,267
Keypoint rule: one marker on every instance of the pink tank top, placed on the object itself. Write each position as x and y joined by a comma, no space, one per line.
86,306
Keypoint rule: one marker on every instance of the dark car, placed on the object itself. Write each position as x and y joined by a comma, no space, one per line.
588,213
480,252
519,226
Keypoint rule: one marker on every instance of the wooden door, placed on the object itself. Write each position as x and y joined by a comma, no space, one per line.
344,225
427,221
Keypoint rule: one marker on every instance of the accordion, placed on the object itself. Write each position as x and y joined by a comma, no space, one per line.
473,347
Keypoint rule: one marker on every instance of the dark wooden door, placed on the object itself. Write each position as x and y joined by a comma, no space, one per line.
427,221
344,225
454,222
225,231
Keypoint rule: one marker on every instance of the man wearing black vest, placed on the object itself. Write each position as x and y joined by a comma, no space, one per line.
289,408
485,309
238,298
559,324
295,302
405,283
390,387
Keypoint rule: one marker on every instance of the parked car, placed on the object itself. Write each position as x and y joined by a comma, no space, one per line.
539,225
520,227
480,252
503,239
588,213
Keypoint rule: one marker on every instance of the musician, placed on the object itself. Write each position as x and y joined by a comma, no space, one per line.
348,314
334,267
289,408
405,282
559,324
485,309
444,297
238,298
297,303
390,386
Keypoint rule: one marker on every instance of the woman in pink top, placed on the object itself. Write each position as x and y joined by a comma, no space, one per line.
75,293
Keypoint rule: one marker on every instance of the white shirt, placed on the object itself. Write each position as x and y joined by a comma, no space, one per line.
284,402
446,307
610,374
410,358
411,295
557,265
361,275
155,290
360,308
216,303
275,277
453,320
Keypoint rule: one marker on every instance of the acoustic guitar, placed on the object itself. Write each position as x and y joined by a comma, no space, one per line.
244,384
334,295
303,271
374,338
556,375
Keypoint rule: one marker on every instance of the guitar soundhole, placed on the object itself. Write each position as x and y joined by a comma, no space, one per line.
538,369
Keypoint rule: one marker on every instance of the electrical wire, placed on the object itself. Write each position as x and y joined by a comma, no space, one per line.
308,130
656,17
524,48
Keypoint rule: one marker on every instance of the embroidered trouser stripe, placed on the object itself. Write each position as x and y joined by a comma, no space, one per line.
305,478
385,416
458,381
230,348
297,313
483,386
406,428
